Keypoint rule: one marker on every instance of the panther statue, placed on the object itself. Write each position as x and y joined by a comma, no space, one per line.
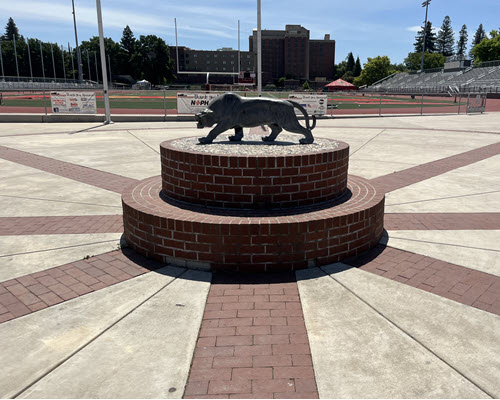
230,111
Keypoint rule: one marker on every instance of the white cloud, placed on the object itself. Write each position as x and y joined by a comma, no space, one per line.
415,28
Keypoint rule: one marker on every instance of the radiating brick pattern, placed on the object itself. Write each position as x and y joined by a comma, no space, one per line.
33,292
100,179
409,176
250,240
464,285
254,181
441,221
253,341
61,225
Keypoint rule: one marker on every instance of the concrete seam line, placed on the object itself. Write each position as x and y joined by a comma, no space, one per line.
196,340
364,144
444,244
143,142
59,201
59,248
409,335
59,363
444,198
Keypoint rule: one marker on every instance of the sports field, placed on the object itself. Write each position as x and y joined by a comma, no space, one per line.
158,102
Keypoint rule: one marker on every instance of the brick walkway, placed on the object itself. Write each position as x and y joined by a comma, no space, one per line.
40,290
90,176
441,221
464,285
253,341
61,225
409,176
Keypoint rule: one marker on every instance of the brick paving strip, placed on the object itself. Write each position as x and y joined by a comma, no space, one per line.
61,225
253,341
463,285
90,176
43,289
409,176
441,221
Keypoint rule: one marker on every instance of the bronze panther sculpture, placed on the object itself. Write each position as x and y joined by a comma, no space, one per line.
230,111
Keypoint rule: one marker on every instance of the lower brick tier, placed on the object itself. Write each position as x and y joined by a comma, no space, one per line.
251,241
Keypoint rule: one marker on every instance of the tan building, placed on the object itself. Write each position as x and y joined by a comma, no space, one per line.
291,53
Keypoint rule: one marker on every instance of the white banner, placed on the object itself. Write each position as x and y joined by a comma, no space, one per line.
73,102
192,103
314,104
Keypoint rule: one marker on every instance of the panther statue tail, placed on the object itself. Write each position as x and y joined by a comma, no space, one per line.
306,116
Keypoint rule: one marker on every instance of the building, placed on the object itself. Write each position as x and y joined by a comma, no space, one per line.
292,54
221,60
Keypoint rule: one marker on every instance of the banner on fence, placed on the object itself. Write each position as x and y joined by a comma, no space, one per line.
73,102
314,104
192,103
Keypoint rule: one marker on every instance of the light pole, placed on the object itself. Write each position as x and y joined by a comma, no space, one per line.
259,50
426,5
78,55
103,63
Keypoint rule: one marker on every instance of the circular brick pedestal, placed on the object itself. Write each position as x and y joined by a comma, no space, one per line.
234,212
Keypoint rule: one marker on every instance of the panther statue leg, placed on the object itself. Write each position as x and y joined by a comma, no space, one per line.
275,130
219,128
238,134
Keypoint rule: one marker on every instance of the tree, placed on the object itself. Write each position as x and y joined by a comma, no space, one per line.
445,39
478,38
357,67
462,41
11,30
430,39
431,60
152,60
488,49
350,62
374,70
340,69
305,86
128,41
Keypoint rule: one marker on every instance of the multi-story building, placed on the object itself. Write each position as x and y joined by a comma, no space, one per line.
291,53
221,60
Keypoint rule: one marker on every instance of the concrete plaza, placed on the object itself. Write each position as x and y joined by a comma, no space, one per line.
417,317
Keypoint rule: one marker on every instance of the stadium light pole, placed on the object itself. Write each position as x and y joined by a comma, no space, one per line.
426,5
78,55
88,65
29,56
103,63
259,50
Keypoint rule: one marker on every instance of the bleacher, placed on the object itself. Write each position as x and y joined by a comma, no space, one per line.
470,79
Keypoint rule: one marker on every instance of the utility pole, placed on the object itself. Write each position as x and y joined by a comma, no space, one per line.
259,50
78,55
426,5
103,63
29,57
41,58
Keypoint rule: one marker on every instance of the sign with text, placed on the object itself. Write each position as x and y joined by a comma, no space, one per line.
314,104
192,103
73,102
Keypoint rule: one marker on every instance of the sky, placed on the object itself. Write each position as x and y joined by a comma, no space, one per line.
368,28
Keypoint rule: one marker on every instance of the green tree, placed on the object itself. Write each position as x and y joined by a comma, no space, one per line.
375,69
128,41
340,69
305,85
488,49
152,60
445,39
478,38
350,62
462,41
430,39
357,68
431,60
11,30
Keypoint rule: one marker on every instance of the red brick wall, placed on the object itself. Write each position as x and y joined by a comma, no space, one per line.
254,182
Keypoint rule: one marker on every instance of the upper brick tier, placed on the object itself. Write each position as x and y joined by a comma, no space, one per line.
266,181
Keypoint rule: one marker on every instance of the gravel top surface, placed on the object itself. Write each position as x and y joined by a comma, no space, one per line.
252,145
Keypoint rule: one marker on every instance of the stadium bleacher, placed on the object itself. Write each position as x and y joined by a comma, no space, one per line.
470,79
